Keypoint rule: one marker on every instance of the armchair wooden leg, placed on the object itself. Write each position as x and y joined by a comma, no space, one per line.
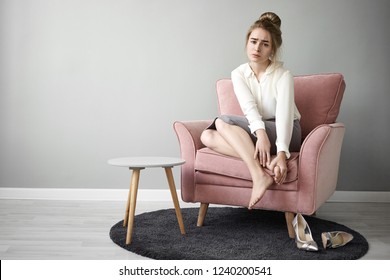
289,218
202,213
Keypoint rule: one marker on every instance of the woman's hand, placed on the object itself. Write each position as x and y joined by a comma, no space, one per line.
279,166
263,148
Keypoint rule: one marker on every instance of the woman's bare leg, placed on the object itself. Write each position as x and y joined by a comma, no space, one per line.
234,141
214,140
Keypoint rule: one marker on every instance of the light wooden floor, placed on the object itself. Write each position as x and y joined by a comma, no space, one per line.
79,230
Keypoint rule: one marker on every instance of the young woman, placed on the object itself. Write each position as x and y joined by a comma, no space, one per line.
270,129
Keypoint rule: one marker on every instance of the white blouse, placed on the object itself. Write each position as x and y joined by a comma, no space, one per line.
271,98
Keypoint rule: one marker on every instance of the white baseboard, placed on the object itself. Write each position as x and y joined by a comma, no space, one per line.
353,196
84,194
153,195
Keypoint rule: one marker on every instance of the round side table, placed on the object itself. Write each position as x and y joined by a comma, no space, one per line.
136,164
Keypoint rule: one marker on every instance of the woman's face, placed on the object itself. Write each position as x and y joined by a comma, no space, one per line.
259,46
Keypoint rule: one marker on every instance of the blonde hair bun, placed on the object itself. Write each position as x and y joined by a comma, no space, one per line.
272,17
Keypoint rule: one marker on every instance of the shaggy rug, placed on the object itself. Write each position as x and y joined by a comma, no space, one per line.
229,233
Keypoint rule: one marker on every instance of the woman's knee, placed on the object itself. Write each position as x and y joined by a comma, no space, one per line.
206,137
220,124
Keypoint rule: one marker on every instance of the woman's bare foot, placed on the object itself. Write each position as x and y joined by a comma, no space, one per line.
259,189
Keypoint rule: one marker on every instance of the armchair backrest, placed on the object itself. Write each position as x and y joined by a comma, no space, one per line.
318,98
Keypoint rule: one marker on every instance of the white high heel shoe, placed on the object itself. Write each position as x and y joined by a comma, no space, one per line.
303,237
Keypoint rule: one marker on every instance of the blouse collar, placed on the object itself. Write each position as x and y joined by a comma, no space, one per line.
271,68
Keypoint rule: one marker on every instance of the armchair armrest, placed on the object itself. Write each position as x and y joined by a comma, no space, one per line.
188,134
319,165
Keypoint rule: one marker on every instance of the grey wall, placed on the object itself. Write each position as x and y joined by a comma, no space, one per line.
83,81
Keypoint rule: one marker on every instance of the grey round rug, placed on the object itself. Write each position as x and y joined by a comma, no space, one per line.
229,233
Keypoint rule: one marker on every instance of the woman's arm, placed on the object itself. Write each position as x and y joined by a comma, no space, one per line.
247,101
284,114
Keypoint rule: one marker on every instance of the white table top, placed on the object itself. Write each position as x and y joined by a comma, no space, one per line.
145,162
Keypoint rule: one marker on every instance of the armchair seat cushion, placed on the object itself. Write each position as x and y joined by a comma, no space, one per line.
213,168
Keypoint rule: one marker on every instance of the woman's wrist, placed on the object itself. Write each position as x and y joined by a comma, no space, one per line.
260,132
282,155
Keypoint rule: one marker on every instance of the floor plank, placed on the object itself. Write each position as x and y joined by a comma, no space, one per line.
79,230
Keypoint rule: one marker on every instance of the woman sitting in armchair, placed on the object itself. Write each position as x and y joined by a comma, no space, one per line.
270,129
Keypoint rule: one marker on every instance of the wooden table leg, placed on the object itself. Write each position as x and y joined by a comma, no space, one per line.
172,187
130,208
125,220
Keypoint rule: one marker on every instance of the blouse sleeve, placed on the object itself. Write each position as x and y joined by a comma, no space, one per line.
284,114
247,101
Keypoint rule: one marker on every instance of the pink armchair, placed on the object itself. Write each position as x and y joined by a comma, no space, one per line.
208,177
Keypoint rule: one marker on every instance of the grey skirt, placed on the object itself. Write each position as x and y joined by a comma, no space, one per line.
270,128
